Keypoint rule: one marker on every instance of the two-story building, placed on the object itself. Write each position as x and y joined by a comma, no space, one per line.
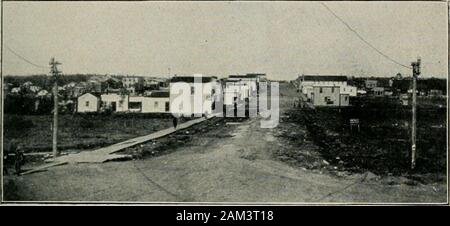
306,84
329,95
132,83
194,94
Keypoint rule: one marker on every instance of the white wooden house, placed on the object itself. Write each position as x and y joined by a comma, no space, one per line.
88,103
193,95
115,102
307,83
157,102
329,95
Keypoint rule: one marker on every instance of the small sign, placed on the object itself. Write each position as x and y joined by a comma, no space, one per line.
354,121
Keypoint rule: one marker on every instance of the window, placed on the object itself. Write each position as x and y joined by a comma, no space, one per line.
332,89
156,104
167,106
135,105
192,90
346,98
87,103
320,90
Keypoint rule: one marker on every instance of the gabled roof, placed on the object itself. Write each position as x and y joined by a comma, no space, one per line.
334,78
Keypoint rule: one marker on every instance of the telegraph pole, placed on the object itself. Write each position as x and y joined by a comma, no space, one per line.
416,73
54,73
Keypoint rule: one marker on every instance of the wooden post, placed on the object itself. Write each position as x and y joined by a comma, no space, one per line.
416,72
54,71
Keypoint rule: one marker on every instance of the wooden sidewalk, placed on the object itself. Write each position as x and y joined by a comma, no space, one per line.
107,153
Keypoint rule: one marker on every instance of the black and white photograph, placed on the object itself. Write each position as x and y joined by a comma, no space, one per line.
224,103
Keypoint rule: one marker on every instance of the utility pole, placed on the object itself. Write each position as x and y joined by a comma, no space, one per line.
416,73
54,73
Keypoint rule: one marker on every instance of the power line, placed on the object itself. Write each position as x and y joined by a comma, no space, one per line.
362,39
25,59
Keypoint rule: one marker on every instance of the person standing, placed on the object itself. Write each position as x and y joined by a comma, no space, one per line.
19,159
175,122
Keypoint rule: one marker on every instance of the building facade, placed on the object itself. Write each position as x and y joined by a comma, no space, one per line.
196,94
306,84
157,102
329,95
114,102
88,103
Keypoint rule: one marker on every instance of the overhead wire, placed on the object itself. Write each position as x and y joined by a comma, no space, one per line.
25,59
362,38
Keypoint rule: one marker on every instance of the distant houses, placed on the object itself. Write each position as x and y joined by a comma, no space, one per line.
203,94
157,102
378,91
370,83
326,90
133,84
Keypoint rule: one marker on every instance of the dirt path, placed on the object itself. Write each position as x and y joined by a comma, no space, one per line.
212,168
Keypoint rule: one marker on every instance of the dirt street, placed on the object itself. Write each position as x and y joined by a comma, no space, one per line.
239,165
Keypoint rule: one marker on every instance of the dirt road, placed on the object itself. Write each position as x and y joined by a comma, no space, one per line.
233,162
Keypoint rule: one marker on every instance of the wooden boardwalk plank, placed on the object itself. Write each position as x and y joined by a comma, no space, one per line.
107,153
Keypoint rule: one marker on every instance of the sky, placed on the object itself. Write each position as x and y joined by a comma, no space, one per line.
282,39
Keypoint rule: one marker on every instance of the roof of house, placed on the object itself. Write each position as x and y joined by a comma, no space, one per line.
90,94
191,79
254,75
159,94
258,74
337,78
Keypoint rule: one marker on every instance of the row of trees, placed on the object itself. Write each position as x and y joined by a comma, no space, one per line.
45,81
31,105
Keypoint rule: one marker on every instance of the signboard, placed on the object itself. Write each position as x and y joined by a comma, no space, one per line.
354,121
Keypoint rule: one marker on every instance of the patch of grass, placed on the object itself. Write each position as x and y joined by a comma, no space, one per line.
383,143
79,131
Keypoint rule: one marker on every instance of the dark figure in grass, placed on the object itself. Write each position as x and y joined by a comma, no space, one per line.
19,159
14,155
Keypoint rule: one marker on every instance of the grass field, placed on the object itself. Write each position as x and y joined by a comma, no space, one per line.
79,131
382,144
